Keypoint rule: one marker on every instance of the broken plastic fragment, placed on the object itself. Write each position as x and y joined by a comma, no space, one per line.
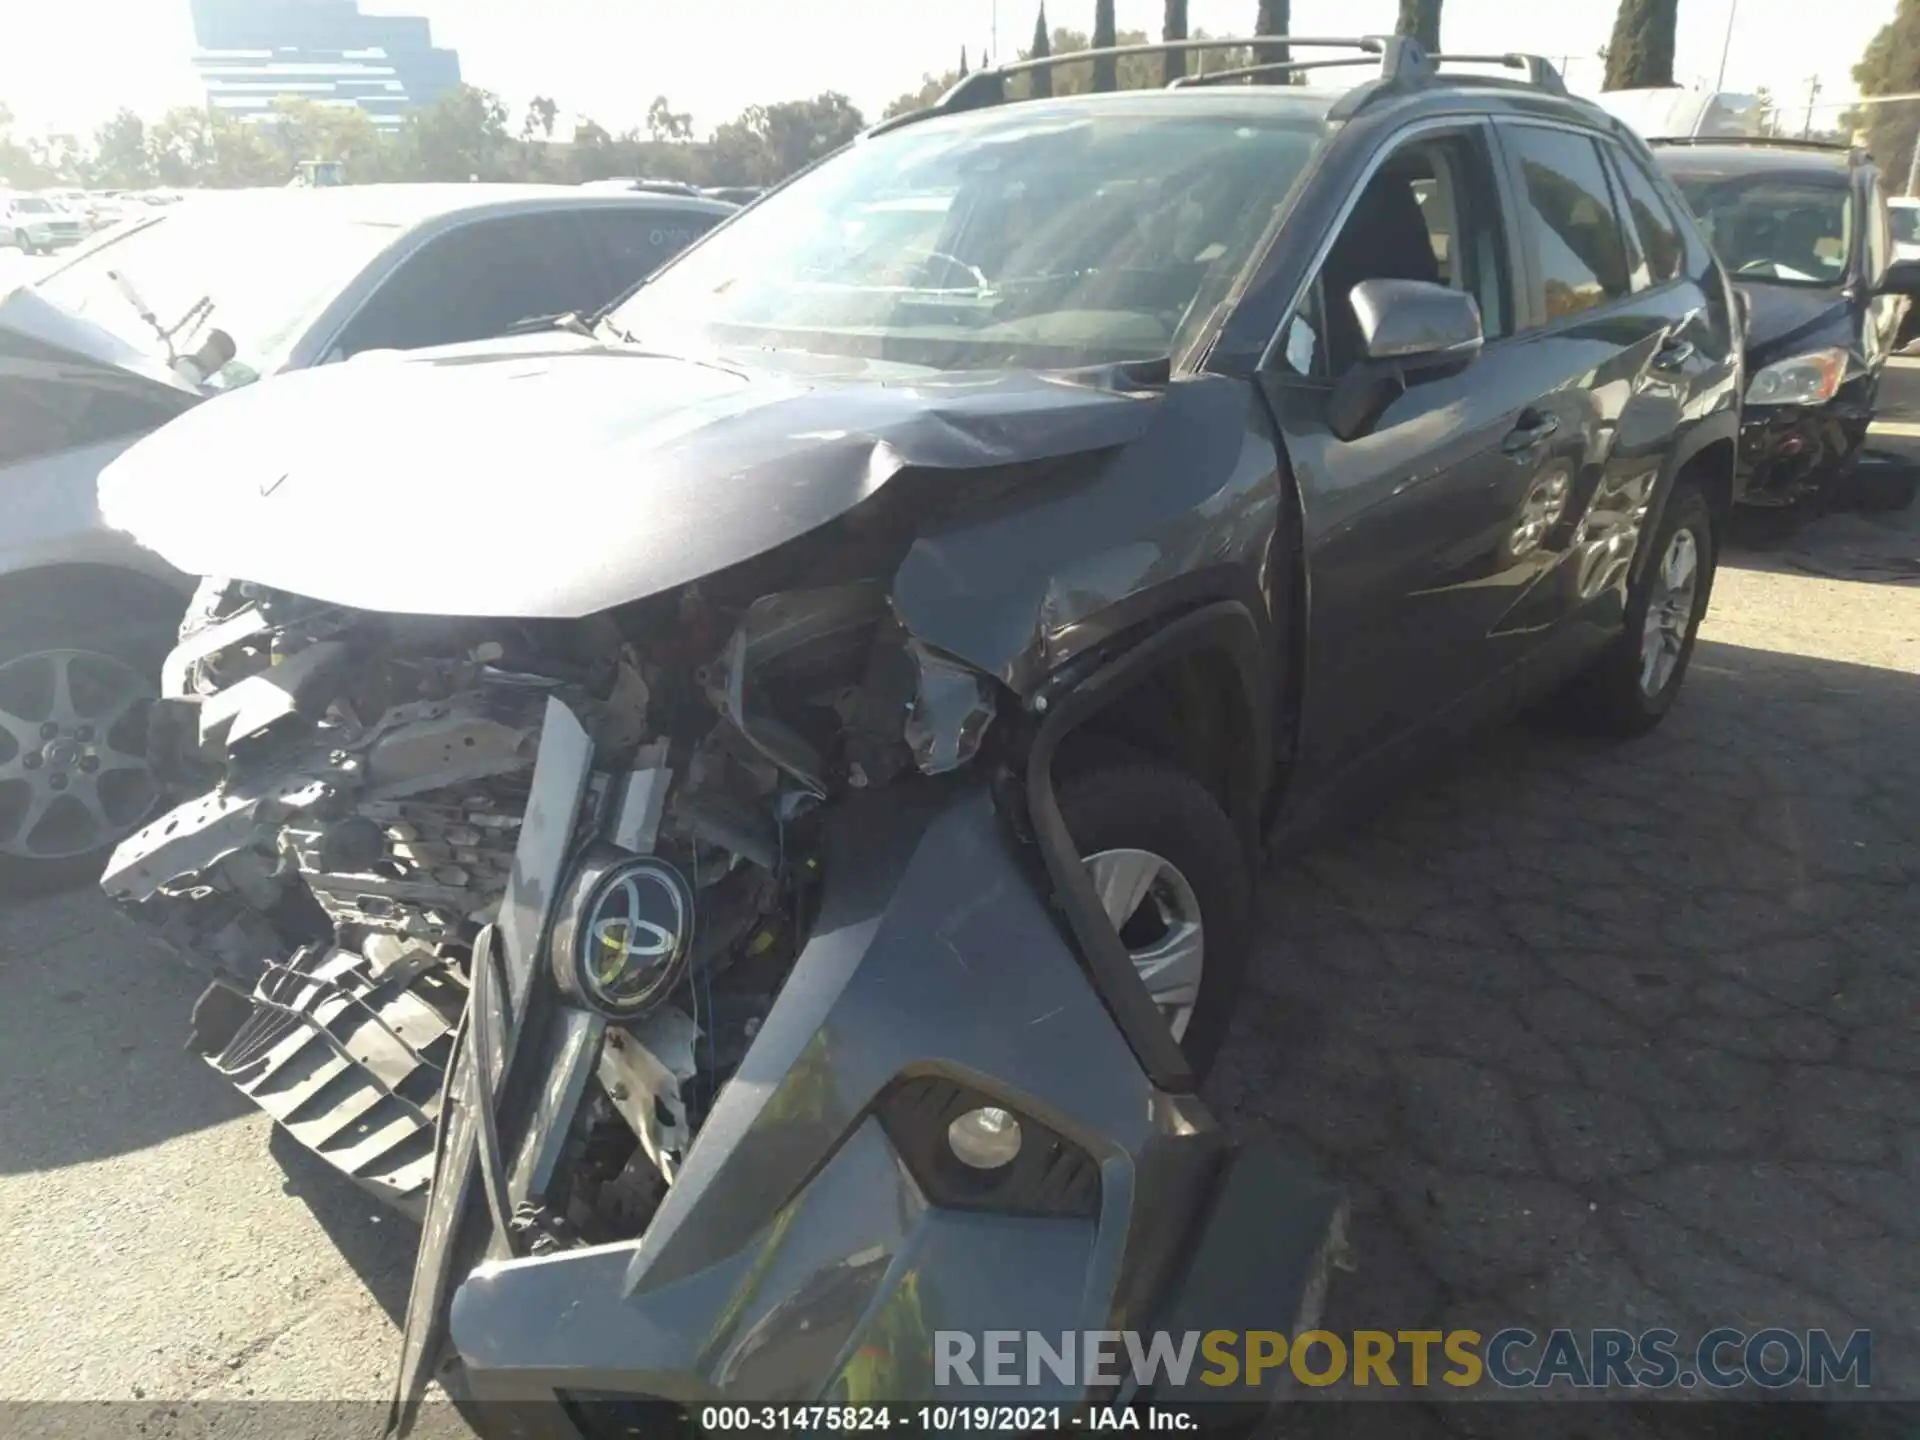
952,707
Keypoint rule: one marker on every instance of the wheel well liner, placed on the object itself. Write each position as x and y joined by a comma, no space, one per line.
1226,633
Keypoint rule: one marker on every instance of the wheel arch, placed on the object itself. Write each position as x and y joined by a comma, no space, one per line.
96,588
1709,456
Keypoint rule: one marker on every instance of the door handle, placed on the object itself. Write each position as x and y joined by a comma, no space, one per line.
1673,354
1533,431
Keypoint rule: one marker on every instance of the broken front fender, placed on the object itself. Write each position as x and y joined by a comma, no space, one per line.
820,1232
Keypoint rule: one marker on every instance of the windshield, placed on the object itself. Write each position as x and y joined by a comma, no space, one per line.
1795,229
1905,220
32,205
1031,236
268,269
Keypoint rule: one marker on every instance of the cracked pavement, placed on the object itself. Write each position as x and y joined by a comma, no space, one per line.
1629,1035
1595,1036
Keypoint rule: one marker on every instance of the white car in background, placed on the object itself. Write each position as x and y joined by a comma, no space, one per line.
1903,215
34,224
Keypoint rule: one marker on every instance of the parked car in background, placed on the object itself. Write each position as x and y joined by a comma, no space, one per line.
36,224
1802,227
184,302
1903,219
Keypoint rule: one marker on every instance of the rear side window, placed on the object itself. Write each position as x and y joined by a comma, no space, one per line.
1567,214
632,244
475,282
1655,232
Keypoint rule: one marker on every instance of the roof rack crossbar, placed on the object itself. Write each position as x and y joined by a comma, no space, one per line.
1399,58
1540,70
1278,67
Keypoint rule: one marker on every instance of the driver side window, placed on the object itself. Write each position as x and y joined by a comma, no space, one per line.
1428,213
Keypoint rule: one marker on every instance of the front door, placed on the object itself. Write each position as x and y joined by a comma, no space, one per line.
1423,533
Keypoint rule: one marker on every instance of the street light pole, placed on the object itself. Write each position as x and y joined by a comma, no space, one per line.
1733,9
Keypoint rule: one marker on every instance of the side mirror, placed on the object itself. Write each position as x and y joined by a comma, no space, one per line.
1417,324
1902,278
1409,328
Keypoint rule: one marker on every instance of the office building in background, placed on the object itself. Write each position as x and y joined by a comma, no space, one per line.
252,52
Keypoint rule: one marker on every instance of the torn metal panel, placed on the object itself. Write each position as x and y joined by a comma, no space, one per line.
653,471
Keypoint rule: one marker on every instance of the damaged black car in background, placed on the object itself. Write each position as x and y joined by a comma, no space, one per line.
745,820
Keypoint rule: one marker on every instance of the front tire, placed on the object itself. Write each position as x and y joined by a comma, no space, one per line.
1631,686
76,678
1173,878
20,239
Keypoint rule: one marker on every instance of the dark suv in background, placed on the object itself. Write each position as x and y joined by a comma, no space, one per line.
1802,227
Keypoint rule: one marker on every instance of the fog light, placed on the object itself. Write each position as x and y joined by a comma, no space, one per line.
985,1139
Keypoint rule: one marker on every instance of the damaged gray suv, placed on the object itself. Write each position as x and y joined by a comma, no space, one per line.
750,806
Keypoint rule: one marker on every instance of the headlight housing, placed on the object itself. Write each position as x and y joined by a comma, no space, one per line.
1809,379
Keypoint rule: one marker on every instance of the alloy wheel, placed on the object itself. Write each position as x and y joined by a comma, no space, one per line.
73,778
1153,907
1676,583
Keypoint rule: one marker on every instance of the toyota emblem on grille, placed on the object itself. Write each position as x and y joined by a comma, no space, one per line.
635,934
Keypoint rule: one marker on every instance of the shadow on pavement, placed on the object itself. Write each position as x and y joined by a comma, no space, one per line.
377,1243
91,1028
1619,1036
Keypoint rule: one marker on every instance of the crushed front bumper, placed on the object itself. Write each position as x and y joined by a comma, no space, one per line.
1795,453
810,1250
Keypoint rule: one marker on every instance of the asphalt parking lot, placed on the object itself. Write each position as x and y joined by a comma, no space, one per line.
1595,1037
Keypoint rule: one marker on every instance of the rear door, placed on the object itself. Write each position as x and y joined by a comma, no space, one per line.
1612,335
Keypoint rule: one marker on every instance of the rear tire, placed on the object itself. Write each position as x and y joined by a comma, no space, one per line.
1884,494
1130,808
1629,688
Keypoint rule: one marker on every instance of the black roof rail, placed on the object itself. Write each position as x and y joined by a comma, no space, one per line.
1401,62
1760,141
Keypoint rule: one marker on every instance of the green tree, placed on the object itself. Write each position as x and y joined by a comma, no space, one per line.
192,147
1041,81
1174,27
543,113
1641,51
1420,20
1105,72
767,143
1891,66
1275,17
120,158
461,136
303,130
667,125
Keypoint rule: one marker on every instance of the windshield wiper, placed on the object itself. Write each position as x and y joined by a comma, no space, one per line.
568,320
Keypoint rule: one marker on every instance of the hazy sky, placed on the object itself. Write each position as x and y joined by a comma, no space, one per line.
67,65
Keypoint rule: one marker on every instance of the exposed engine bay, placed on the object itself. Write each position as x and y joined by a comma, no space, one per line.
364,782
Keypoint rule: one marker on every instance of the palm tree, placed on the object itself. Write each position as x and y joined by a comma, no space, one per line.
1274,18
1174,64
1641,51
1105,76
1042,49
1420,21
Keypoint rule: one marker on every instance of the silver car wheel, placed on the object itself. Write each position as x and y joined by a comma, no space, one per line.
72,775
1154,908
1669,612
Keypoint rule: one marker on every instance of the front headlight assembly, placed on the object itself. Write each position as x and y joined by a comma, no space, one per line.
1809,379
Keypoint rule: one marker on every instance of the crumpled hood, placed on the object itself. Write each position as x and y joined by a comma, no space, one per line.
1787,319
560,477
